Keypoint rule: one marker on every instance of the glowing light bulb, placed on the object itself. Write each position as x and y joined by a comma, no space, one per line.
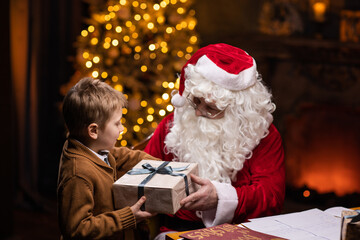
164,50
193,39
85,55
126,38
158,101
91,28
124,111
146,16
104,74
118,29
135,3
137,17
140,121
180,54
88,64
163,4
171,85
95,74
94,41
180,10
123,143
150,25
151,110
150,118
162,112
108,26
136,128
128,24
152,47
107,17
106,45
143,68
156,7
115,79
96,59
118,87
160,19
135,35
169,30
169,108
165,96
84,33
115,42
143,103
165,84
116,8
143,6
192,25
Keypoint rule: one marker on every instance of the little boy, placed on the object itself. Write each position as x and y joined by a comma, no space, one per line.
90,164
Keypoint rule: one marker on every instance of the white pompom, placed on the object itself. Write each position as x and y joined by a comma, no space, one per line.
177,100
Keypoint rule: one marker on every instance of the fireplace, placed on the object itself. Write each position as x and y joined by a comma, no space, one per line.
322,145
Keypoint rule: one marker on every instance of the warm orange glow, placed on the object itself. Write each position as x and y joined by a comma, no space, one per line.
306,193
323,149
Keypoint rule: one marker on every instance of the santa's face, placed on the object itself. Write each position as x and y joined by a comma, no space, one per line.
205,109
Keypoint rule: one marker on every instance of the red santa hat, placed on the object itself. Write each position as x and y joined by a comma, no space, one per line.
225,65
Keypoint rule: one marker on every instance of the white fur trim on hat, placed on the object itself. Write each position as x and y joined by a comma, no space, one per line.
209,70
177,100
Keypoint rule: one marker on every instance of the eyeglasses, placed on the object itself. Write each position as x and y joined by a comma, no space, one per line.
206,110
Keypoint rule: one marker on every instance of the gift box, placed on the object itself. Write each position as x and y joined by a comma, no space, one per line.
164,184
350,225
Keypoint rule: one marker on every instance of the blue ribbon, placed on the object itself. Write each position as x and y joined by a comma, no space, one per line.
162,169
355,217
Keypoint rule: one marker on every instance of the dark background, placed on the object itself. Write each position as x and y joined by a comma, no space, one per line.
30,154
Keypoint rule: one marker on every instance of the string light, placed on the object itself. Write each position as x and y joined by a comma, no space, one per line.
84,33
96,59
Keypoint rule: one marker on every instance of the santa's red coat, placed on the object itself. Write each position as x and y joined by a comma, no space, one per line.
260,185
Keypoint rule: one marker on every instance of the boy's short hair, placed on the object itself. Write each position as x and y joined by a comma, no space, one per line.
90,101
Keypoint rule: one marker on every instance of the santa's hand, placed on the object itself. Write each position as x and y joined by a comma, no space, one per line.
204,199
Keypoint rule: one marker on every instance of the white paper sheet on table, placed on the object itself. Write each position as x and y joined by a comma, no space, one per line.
311,224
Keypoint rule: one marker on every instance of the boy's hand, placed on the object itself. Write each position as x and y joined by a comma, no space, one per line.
140,215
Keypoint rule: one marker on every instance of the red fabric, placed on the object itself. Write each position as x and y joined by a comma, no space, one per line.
260,184
231,59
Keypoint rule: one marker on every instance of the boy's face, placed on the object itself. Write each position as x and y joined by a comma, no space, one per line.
111,131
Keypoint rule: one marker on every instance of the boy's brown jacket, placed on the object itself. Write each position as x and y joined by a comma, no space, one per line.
85,200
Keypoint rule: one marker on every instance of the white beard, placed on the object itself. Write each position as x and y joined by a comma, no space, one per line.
219,146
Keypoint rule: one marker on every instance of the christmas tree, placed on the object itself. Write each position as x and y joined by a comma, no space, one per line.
138,47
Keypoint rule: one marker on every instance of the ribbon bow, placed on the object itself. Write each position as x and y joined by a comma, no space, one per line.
162,169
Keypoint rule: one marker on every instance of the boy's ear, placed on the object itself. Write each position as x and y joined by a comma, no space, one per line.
93,130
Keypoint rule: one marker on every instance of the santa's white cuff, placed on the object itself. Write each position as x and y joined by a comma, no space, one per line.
227,203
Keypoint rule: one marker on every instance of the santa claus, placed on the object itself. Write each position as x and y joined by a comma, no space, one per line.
223,122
